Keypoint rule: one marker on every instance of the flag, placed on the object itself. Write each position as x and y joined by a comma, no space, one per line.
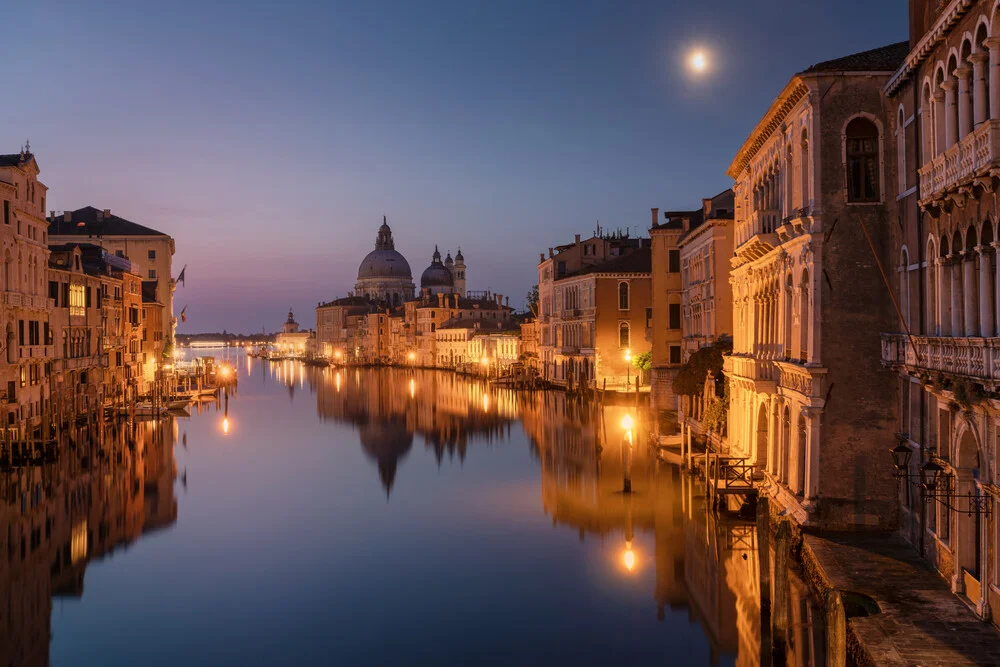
180,278
183,316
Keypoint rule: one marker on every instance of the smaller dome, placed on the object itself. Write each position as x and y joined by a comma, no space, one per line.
458,257
448,261
436,275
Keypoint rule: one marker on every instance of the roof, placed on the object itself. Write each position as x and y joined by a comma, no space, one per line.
674,219
883,59
638,261
347,301
95,223
15,159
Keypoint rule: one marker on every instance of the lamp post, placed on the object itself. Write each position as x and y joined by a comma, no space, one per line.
628,365
936,483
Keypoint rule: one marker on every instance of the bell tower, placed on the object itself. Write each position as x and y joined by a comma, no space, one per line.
458,272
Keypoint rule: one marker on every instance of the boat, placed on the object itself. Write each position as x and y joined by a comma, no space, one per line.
144,410
177,403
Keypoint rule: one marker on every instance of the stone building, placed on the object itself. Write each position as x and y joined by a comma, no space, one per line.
706,296
384,274
292,342
149,251
601,319
666,303
425,315
945,122
25,313
337,325
559,318
815,209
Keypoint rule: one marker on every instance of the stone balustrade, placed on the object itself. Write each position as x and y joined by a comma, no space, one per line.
974,358
976,151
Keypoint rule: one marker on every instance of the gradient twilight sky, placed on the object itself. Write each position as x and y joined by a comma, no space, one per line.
269,138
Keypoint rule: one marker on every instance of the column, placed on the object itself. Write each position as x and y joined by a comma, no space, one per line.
939,132
996,292
955,269
811,458
964,102
969,293
950,114
986,316
980,105
993,44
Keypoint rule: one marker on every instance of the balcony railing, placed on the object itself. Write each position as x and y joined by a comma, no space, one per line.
19,300
759,371
975,358
977,150
756,236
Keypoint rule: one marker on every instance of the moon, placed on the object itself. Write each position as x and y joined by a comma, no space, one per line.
698,61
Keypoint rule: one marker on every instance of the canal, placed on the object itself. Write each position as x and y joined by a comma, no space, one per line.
378,517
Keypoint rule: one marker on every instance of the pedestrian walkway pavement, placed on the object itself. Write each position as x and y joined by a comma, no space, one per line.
921,621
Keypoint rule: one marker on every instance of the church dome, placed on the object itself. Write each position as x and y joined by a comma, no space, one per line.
384,263
437,274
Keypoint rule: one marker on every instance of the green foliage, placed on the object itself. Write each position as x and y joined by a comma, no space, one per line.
690,381
716,414
532,298
644,361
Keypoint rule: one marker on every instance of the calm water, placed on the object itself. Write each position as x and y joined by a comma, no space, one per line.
374,517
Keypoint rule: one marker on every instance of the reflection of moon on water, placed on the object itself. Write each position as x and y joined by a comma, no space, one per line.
386,442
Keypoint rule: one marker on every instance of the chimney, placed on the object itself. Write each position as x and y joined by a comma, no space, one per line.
67,216
686,223
107,213
541,257
576,239
656,215
550,252
52,214
440,300
508,302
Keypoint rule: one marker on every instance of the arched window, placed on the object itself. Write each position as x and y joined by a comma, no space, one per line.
623,296
927,123
623,335
862,161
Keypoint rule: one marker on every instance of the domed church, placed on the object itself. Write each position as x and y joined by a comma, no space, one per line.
384,274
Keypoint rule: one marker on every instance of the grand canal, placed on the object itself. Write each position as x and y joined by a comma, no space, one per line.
377,517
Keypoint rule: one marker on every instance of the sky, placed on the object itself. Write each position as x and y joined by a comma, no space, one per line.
269,138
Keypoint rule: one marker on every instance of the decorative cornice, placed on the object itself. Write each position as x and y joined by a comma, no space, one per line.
937,34
792,94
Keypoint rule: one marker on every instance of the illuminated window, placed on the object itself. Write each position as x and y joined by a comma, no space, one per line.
77,299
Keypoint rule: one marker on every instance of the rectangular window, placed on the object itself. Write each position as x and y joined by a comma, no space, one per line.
649,317
11,391
47,338
77,300
152,274
675,354
675,316
6,211
151,254
20,332
64,303
54,291
674,261
90,297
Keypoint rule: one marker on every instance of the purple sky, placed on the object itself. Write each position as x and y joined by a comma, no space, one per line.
269,138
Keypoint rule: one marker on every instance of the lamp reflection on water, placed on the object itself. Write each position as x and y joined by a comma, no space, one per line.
629,556
225,425
413,388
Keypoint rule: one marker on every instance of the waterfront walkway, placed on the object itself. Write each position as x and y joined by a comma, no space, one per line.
921,622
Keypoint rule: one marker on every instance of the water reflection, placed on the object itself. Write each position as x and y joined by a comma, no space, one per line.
586,546
101,494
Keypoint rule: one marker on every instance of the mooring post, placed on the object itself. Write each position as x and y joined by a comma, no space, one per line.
836,630
781,597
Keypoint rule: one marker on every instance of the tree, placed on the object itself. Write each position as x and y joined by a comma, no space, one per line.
532,298
644,361
690,380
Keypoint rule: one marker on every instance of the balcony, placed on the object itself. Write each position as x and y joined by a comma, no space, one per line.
18,300
974,358
757,236
970,157
759,373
